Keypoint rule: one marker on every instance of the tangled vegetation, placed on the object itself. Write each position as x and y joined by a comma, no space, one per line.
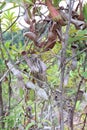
43,65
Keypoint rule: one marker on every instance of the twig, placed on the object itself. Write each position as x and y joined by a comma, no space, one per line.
35,107
5,74
63,58
1,97
75,56
15,105
10,8
83,128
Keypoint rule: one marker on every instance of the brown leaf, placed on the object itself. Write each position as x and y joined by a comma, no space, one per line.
55,14
31,36
37,67
26,18
16,73
35,64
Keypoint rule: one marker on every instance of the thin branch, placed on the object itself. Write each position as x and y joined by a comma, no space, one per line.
85,49
63,59
15,105
6,73
10,8
1,97
10,91
84,123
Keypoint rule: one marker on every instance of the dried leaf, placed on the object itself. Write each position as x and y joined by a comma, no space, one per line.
26,18
15,71
78,23
30,85
39,91
31,36
55,14
37,67
42,93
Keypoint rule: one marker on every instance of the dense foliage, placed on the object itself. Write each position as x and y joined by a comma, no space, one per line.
43,65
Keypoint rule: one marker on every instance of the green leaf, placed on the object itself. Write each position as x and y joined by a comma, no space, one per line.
21,91
2,65
29,1
32,95
7,44
84,74
2,5
82,32
56,2
80,36
85,11
47,121
12,1
30,125
78,105
7,19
